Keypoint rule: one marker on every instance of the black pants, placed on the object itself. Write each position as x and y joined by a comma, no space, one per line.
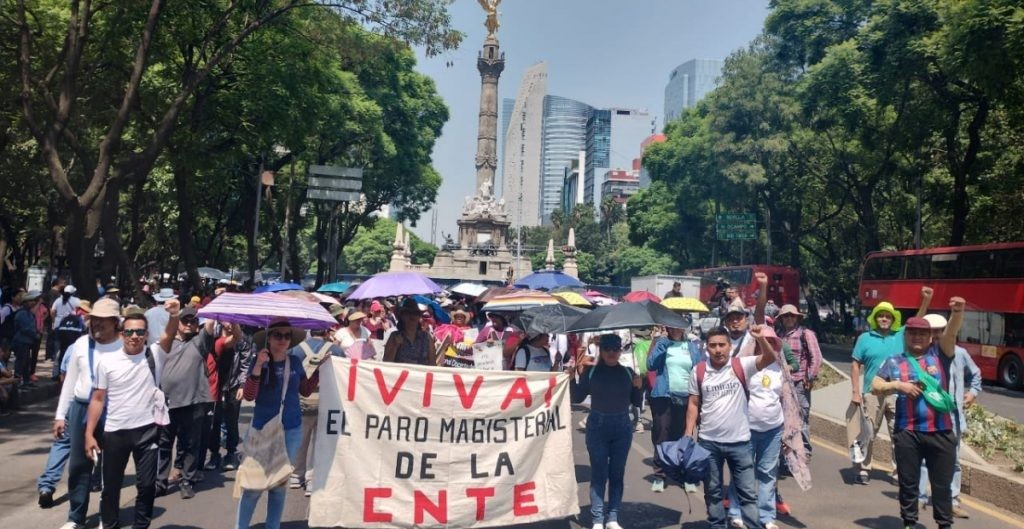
668,421
211,435
232,408
938,450
141,444
185,428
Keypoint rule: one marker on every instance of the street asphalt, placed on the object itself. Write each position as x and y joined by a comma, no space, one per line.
832,502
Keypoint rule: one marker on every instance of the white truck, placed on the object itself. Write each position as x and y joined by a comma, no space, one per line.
661,284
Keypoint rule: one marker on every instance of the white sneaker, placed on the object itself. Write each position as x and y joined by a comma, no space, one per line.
657,485
597,526
689,487
612,525
737,523
70,525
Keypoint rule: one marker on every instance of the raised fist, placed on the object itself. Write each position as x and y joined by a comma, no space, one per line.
172,306
761,278
926,292
957,304
757,331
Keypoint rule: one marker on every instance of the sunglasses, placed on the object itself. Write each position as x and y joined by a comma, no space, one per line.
280,335
189,321
128,333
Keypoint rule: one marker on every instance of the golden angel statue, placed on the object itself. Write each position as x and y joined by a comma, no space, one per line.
491,6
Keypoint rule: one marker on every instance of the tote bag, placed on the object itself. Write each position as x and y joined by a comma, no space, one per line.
265,462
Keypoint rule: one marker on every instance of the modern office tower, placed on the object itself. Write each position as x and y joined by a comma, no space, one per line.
572,182
521,180
564,135
612,142
688,83
507,104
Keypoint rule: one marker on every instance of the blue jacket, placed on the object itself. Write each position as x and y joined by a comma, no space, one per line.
25,332
656,363
964,376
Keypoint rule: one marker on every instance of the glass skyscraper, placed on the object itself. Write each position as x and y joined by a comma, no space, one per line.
598,147
563,137
688,83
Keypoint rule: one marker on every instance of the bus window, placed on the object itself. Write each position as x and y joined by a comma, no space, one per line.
1013,335
1011,264
974,328
945,266
916,266
978,265
883,268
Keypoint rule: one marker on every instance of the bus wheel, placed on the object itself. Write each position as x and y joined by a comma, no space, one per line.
1011,372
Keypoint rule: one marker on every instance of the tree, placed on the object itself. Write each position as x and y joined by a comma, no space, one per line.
95,142
370,250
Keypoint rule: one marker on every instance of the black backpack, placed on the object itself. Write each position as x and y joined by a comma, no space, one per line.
7,328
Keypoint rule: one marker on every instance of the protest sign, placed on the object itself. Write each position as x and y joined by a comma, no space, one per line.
401,445
488,356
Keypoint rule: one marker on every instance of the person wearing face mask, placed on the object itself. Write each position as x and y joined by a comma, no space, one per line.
612,388
184,381
671,358
72,406
869,352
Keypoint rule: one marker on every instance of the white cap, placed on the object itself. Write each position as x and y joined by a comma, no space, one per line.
70,289
936,321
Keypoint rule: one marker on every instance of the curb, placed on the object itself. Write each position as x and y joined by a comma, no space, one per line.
1003,491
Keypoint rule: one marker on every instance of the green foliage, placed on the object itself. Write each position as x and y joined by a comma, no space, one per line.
370,250
995,437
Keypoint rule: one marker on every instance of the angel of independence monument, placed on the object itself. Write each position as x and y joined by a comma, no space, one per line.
481,250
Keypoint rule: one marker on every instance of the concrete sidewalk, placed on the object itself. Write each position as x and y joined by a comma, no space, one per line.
829,407
42,389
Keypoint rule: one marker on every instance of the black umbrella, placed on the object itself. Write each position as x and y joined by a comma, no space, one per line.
628,316
548,319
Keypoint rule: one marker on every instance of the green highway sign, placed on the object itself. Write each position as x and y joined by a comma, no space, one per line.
735,226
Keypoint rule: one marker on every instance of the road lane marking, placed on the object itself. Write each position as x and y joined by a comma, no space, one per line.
1015,522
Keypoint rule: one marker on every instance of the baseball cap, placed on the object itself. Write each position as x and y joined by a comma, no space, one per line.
936,321
917,323
187,312
70,289
610,341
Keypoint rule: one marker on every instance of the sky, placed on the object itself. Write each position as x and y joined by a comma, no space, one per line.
606,53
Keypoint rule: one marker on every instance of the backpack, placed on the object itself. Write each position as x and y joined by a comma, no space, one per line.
7,328
684,461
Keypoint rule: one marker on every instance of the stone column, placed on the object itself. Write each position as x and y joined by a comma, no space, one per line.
490,63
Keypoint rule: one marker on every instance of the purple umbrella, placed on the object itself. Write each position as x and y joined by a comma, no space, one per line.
395,284
258,310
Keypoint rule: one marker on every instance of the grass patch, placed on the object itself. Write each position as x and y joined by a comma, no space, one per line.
999,440
828,376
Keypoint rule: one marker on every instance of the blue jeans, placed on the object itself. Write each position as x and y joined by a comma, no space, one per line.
275,496
608,439
60,450
766,447
80,467
741,470
955,485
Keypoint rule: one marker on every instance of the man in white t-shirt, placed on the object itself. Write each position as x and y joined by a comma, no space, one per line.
718,397
84,355
127,390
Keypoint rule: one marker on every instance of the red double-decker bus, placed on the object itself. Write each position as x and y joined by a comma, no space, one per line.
989,276
783,282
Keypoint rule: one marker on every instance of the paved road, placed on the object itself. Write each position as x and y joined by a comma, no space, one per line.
996,399
831,503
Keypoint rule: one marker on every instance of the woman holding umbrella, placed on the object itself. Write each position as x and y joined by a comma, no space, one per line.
671,358
410,344
612,388
275,382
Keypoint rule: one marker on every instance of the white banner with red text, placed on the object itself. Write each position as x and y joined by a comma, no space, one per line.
400,445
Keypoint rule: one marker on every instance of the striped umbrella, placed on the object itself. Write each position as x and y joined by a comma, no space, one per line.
519,301
258,310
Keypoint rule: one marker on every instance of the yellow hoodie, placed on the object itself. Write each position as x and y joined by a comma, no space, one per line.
885,306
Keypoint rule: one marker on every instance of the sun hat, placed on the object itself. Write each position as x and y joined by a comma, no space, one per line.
85,306
105,308
195,299
376,306
133,310
336,310
773,339
936,321
164,294
357,315
790,309
885,306
260,338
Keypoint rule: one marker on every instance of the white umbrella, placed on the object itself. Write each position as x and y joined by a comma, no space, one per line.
472,290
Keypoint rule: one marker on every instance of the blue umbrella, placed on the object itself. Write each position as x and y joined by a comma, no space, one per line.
435,308
548,280
277,287
334,288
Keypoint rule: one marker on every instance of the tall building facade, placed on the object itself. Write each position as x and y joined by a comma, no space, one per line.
521,173
613,141
688,83
507,104
563,137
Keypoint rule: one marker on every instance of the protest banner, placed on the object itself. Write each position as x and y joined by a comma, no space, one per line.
488,356
401,445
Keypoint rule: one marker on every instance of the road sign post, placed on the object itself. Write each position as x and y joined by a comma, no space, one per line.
735,226
334,184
